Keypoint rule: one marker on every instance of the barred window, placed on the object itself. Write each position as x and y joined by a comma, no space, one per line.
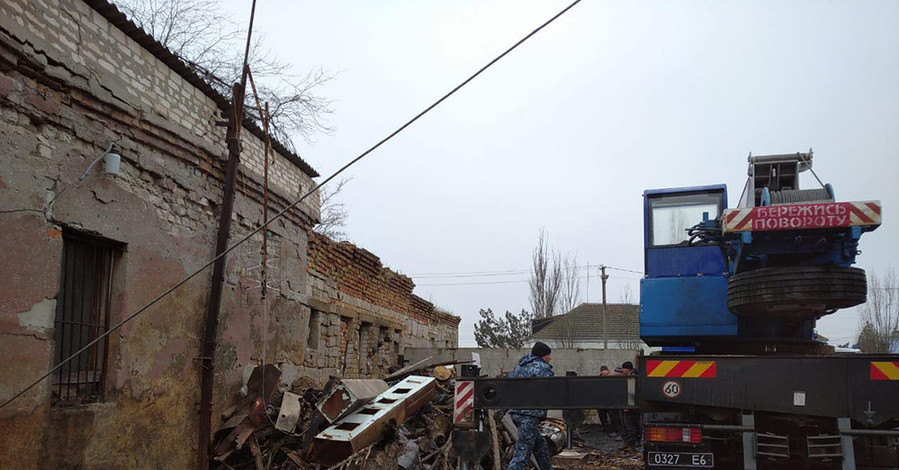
82,315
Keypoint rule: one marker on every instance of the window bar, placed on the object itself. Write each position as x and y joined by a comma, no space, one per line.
84,298
77,260
104,323
87,320
60,307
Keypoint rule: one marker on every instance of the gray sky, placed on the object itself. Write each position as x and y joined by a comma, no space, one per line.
567,131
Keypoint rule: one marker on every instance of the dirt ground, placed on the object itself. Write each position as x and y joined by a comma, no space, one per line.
602,449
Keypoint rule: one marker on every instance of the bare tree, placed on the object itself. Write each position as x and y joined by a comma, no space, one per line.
879,316
333,212
626,296
546,278
631,339
202,35
571,285
569,298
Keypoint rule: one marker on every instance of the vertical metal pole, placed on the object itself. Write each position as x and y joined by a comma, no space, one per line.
749,443
207,354
605,318
845,424
265,202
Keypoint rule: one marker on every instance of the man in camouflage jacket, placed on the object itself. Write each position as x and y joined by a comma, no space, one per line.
535,364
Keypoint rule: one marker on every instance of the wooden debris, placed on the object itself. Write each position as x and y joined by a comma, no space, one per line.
494,438
443,373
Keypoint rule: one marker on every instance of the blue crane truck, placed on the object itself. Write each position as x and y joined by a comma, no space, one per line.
730,298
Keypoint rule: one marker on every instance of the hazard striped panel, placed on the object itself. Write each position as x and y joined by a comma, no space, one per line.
884,370
463,403
800,216
682,369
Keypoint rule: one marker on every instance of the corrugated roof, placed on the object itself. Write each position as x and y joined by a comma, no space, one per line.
119,20
584,322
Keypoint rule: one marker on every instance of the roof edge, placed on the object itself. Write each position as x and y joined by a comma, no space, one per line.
118,19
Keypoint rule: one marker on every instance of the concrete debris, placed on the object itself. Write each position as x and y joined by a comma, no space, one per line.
408,426
369,424
349,395
408,430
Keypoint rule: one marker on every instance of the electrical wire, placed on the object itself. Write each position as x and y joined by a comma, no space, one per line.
511,282
288,208
509,272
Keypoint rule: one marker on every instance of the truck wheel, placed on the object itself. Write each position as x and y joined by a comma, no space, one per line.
796,292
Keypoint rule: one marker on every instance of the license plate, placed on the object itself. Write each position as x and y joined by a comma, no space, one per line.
680,459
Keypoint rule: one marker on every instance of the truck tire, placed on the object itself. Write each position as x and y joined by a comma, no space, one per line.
796,292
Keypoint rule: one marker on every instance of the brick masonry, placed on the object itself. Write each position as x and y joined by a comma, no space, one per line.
372,307
70,83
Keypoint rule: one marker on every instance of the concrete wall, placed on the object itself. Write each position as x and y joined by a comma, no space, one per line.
497,361
70,83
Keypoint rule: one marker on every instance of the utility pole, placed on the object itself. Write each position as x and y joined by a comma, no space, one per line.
605,336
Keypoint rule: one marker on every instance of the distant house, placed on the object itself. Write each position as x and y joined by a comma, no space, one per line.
582,327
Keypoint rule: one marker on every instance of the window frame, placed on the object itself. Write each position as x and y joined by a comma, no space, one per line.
700,197
90,368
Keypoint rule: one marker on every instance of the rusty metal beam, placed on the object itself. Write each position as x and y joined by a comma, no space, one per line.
368,425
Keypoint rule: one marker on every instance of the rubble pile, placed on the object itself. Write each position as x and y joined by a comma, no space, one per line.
400,423
403,422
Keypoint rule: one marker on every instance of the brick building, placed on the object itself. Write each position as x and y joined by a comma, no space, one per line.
80,255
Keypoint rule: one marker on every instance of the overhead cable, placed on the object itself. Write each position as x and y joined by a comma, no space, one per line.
288,208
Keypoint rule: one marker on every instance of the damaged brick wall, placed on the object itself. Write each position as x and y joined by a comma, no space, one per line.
71,82
370,309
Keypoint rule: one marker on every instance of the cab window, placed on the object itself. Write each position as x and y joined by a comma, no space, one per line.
672,214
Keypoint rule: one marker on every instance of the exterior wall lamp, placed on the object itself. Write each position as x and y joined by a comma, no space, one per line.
112,162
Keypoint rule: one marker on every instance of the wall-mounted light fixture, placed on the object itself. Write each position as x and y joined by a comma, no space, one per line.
112,162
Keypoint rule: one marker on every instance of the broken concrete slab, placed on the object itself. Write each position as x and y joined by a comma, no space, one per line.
370,424
349,395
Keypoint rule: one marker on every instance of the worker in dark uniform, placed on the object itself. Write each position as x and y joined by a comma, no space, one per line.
535,364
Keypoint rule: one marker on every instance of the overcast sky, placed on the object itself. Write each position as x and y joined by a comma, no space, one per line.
567,131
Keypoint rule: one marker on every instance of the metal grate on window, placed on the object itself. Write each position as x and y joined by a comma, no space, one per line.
82,314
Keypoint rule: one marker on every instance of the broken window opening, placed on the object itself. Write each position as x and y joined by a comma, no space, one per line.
82,315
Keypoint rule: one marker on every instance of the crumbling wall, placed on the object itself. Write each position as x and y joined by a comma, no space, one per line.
71,82
370,309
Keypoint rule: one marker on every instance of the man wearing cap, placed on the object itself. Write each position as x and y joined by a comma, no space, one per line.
535,364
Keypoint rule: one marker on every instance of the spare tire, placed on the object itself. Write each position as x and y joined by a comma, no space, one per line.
796,292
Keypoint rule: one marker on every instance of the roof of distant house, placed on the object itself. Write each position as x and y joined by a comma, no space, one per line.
584,322
120,20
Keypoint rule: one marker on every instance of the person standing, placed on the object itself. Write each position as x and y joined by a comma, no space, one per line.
535,364
631,431
604,420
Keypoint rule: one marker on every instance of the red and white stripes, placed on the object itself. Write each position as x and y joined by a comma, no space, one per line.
463,402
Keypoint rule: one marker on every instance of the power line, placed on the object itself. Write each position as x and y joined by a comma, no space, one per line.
289,207
511,282
507,272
